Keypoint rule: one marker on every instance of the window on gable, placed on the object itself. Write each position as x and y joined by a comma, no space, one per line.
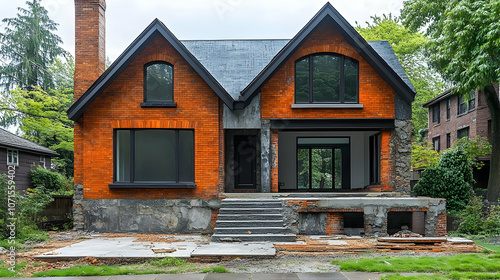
12,157
154,158
326,78
158,85
436,113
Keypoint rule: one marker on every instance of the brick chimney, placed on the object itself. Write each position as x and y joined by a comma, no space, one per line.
90,54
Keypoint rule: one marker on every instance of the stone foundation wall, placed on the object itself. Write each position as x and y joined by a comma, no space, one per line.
325,215
148,215
400,155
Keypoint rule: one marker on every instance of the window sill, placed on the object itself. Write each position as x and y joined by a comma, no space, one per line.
152,186
327,106
165,104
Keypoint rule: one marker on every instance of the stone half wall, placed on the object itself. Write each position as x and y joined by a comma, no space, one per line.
400,156
326,215
145,215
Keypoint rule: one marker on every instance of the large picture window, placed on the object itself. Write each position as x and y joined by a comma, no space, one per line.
150,157
326,78
158,84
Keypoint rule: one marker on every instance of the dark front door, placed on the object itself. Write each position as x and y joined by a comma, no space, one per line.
245,161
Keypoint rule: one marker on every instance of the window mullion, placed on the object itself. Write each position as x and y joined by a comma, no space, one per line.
310,168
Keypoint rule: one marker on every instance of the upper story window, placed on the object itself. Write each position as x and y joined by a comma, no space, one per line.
326,78
436,113
466,105
448,108
158,85
464,132
12,157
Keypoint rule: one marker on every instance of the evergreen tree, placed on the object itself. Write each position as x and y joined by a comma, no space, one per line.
27,49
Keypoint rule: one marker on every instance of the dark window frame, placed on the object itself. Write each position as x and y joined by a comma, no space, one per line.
448,140
448,109
436,113
459,132
346,171
471,105
437,140
166,103
341,80
375,155
150,184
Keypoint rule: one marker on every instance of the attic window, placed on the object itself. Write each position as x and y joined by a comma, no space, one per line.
326,78
158,85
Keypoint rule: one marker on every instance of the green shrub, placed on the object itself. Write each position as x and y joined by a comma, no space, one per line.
43,178
450,179
26,208
476,219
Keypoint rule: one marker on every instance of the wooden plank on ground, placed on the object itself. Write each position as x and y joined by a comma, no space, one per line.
412,239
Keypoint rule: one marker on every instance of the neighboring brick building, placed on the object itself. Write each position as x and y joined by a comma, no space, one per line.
172,127
452,117
18,156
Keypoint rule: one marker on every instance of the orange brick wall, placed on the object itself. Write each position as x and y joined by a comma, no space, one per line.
278,94
441,225
119,107
334,223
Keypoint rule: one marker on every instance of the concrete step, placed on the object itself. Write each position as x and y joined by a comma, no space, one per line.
253,237
252,230
251,203
253,216
245,211
249,223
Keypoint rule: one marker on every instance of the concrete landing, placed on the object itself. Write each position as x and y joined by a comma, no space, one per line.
235,249
122,247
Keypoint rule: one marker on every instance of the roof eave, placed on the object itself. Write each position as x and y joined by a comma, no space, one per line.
77,109
360,45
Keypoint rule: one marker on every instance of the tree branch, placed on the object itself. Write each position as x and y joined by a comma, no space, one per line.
34,115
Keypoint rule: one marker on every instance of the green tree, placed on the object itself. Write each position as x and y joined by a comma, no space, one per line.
28,47
464,43
408,46
44,121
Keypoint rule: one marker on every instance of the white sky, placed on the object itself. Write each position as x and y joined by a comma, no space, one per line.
204,19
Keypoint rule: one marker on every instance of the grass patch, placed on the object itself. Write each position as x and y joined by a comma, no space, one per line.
168,262
215,269
453,275
457,263
495,248
101,270
5,272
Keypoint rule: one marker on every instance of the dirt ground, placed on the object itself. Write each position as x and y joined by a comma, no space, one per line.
308,255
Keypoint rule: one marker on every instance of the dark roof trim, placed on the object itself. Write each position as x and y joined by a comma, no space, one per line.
29,150
438,98
156,27
344,124
351,35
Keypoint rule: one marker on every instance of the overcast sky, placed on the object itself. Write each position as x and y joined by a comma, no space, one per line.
204,19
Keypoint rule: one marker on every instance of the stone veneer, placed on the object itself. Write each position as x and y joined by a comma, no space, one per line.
400,155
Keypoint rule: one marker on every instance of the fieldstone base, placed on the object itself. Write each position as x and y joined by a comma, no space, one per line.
149,215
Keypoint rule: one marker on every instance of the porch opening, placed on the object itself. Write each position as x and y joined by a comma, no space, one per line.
354,223
411,220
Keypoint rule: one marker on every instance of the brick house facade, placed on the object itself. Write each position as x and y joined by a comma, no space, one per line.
240,117
452,117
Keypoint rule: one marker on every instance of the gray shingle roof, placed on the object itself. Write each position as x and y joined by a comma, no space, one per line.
11,140
235,63
384,49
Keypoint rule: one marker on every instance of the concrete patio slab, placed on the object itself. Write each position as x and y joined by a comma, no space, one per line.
361,275
321,276
232,276
275,276
123,247
197,276
235,249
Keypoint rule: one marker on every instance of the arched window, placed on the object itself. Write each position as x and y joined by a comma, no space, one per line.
158,83
326,78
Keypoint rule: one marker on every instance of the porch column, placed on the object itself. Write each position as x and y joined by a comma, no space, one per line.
265,156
